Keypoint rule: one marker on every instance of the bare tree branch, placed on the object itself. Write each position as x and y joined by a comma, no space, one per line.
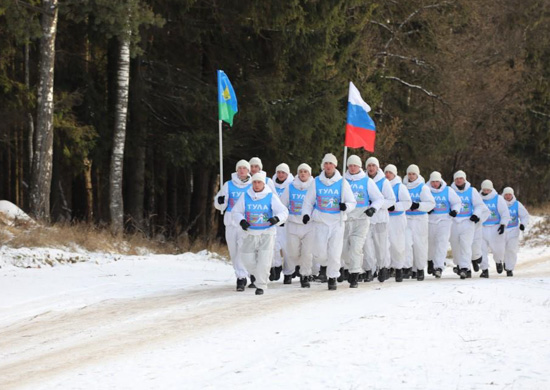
419,87
34,8
412,59
539,113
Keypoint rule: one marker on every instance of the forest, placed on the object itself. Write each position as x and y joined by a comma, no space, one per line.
108,109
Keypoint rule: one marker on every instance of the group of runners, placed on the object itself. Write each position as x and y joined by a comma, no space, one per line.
364,225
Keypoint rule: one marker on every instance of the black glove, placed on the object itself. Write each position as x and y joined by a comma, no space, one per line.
415,205
273,220
391,208
282,225
305,219
343,207
522,227
221,199
370,211
501,229
431,211
245,225
453,213
474,218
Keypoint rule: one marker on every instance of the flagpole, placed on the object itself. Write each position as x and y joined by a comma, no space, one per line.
221,157
344,164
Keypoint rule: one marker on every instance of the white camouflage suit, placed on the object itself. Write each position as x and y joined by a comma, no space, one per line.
257,245
357,224
397,224
492,240
512,232
280,240
329,228
299,237
233,232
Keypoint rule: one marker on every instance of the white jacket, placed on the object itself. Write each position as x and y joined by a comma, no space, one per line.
454,201
282,185
523,216
311,199
502,207
382,215
404,196
285,197
375,196
224,191
279,210
427,201
480,210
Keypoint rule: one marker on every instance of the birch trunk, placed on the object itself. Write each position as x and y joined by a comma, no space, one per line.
41,177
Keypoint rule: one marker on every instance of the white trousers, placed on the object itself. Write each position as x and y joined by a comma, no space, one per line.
462,237
299,245
355,234
398,240
327,251
511,254
438,242
375,251
476,245
417,242
494,242
256,255
281,247
233,237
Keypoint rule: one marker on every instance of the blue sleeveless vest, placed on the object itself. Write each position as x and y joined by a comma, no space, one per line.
415,197
442,205
380,183
279,191
234,194
467,208
328,197
295,200
360,191
257,212
514,215
494,218
396,192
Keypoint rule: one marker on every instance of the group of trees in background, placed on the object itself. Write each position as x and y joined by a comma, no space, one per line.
108,109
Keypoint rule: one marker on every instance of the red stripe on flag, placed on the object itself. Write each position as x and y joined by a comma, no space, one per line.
357,137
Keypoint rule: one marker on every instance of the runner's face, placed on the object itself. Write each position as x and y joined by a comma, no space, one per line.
412,176
460,181
436,184
372,169
242,172
508,197
390,176
329,168
485,192
354,169
304,175
258,185
254,169
282,175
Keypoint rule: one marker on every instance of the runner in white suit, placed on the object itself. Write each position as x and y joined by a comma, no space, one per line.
328,200
471,214
519,219
257,212
225,200
447,207
256,166
493,228
369,200
397,224
376,253
417,220
281,180
300,237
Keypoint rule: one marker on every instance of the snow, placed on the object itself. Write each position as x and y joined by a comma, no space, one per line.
80,320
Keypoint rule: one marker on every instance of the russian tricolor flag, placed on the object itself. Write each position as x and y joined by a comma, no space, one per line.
360,128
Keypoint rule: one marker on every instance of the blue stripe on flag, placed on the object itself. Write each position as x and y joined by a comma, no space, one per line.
358,117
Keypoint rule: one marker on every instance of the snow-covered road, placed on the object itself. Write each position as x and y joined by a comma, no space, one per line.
175,322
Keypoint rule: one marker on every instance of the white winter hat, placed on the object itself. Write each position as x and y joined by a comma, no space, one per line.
242,163
459,174
256,161
330,158
508,190
372,160
435,176
305,167
413,168
283,168
487,185
391,168
260,176
354,160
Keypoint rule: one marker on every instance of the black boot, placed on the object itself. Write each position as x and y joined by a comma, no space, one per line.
463,273
352,279
413,274
322,274
382,275
252,280
272,274
278,271
304,282
509,273
241,284
259,291
420,275
407,273
456,270
375,274
499,268
469,274
484,274
399,275
430,267
438,272
288,279
476,263
296,273
391,274
341,277
362,277
368,276
332,283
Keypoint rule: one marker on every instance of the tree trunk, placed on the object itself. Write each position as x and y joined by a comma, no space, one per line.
41,177
89,190
117,157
